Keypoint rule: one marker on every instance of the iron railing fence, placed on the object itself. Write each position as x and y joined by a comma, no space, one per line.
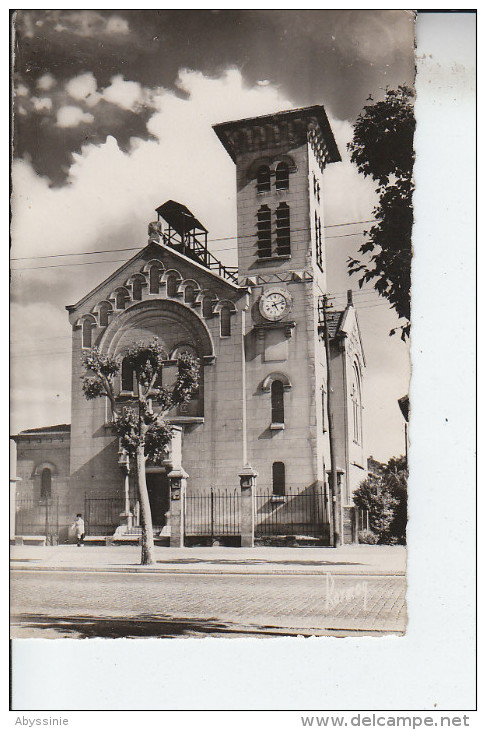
102,515
37,517
362,517
297,513
215,513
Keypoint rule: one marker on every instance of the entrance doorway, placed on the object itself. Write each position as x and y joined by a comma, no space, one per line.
159,497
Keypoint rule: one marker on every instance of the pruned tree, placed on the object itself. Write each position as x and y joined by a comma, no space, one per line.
382,148
142,426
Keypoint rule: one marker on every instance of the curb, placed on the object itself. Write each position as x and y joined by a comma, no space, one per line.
148,570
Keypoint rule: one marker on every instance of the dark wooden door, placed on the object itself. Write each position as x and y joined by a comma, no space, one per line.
158,490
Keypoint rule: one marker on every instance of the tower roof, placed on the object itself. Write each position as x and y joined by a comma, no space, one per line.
287,126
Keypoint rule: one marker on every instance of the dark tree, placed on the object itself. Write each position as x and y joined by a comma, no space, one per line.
142,427
385,498
382,148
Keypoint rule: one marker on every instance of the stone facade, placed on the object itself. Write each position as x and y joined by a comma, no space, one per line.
163,292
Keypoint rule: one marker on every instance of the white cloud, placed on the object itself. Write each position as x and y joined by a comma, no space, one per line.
46,82
71,116
82,87
42,105
116,25
88,23
126,94
22,90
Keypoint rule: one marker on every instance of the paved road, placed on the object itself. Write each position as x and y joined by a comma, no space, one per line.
81,605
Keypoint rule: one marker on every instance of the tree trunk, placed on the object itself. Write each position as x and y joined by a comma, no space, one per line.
148,557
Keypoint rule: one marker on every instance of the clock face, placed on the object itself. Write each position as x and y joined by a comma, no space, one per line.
274,305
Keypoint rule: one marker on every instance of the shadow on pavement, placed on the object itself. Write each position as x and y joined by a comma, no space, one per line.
252,561
89,627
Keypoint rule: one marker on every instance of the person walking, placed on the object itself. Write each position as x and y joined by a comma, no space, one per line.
79,529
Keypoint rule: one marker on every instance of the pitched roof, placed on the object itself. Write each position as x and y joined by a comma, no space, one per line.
154,248
62,430
334,321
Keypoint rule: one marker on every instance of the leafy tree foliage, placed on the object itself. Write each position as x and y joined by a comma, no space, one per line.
382,148
385,498
142,427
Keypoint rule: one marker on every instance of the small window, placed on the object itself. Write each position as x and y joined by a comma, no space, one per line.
264,232
46,483
324,409
207,307
105,309
278,478
189,294
87,326
172,286
120,299
126,376
263,179
137,290
278,415
282,176
154,279
225,320
283,230
318,235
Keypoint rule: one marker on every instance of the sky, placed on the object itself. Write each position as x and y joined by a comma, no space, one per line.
113,114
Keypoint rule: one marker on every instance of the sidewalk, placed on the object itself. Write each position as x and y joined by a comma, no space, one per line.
346,560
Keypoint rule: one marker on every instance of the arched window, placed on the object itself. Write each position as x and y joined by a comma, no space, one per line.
154,279
87,325
356,405
137,290
318,235
105,309
278,478
263,179
225,322
264,232
282,176
120,299
46,482
324,409
277,391
189,294
207,307
283,230
172,285
126,376
189,350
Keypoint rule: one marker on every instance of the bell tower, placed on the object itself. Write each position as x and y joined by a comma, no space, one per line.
280,160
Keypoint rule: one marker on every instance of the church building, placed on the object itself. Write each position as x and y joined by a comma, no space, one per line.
257,332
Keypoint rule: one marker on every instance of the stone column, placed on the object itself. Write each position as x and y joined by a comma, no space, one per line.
178,483
248,477
126,517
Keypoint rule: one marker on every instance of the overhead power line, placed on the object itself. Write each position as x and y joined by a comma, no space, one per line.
214,240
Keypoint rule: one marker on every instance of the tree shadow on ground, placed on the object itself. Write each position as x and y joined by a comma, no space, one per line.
136,627
252,561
